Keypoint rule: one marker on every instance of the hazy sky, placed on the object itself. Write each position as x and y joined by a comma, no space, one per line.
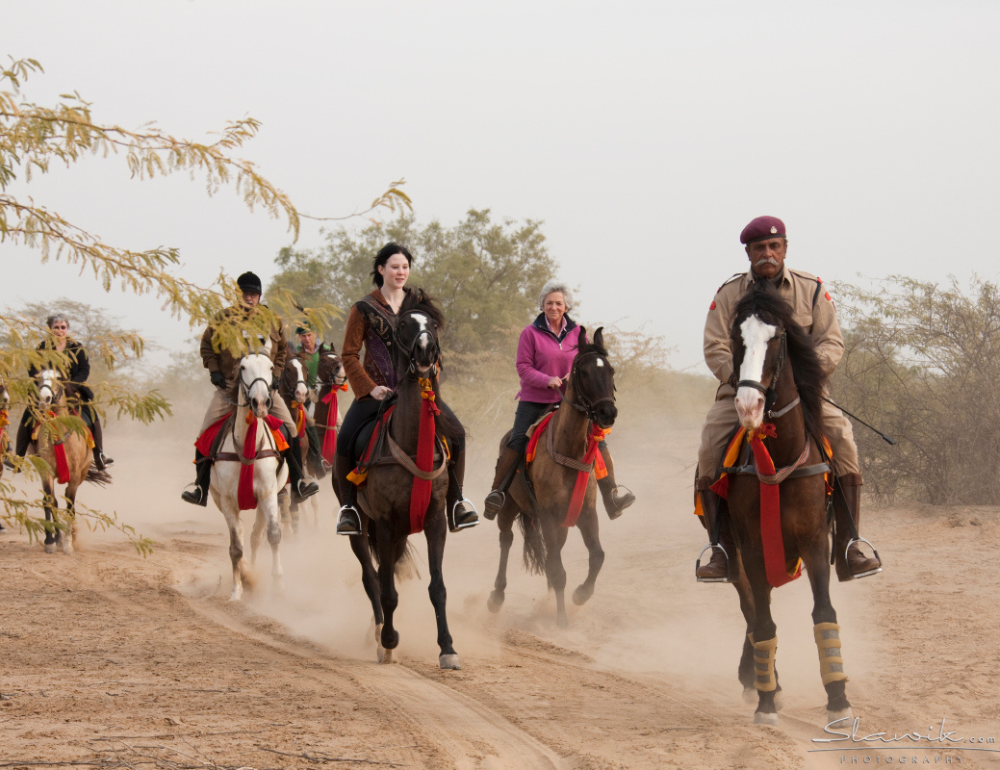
644,135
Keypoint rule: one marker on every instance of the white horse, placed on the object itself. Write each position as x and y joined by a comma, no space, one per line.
253,402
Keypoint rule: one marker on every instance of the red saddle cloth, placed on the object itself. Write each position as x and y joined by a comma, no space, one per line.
245,496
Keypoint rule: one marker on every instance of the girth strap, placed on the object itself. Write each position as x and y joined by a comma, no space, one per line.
569,462
233,457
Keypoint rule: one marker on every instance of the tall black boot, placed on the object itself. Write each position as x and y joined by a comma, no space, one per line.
301,489
615,501
721,567
101,460
849,560
199,495
506,468
349,522
459,517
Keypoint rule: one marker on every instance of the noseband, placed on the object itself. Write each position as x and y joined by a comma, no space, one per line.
245,390
411,349
770,392
583,404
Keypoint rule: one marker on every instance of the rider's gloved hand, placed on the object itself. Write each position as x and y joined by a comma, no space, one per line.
218,379
274,381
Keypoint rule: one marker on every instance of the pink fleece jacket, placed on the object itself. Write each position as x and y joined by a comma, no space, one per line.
541,356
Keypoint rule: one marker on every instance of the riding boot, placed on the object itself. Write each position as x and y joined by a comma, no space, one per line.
847,503
199,495
459,517
721,566
101,460
614,502
21,440
506,468
301,488
349,522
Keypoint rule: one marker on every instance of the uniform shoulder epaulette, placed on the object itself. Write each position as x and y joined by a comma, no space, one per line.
819,285
725,283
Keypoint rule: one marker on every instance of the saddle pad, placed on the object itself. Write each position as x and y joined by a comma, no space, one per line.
541,418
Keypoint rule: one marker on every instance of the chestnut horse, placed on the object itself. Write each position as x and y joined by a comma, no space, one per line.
62,443
385,498
542,507
780,382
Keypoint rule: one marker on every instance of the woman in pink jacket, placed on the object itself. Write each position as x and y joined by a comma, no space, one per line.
545,355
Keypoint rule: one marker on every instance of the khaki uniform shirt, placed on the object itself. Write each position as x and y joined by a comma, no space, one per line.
812,309
218,359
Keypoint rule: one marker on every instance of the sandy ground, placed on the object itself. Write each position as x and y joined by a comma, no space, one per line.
108,659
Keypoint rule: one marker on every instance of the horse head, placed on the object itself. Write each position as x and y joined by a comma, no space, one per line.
764,338
4,397
49,388
255,383
592,378
293,386
417,345
331,369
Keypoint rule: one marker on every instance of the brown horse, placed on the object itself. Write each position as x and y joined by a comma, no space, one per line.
331,378
542,505
62,443
780,381
4,422
385,500
292,387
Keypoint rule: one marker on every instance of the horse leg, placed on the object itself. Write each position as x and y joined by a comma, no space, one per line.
589,530
435,534
387,585
555,539
69,539
256,534
236,553
505,520
746,673
267,508
825,629
50,504
765,640
284,497
369,579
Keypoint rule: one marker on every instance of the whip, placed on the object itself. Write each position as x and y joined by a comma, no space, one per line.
888,439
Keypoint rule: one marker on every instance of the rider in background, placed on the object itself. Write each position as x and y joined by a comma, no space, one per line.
74,366
309,350
545,356
372,323
766,245
223,367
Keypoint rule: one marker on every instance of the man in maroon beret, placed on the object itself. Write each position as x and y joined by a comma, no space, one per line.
766,245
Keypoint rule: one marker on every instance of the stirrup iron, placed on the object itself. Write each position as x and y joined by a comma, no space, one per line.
349,508
697,565
455,527
847,550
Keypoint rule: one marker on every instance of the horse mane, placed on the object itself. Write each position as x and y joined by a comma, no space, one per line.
418,299
764,301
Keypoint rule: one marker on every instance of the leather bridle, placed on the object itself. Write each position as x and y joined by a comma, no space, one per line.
583,403
410,350
770,391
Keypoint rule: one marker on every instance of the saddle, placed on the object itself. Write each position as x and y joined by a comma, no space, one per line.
210,442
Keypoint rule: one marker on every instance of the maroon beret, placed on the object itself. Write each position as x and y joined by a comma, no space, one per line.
762,228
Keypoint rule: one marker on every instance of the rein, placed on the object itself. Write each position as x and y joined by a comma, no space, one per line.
587,406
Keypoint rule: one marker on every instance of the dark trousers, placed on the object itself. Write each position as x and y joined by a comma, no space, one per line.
526,415
365,408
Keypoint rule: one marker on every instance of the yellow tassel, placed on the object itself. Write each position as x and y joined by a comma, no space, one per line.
764,654
357,478
831,664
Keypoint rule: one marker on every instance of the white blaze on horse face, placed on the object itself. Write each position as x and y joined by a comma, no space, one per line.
47,386
257,370
750,401
301,392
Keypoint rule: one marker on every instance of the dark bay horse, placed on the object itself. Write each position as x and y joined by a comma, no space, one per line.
780,381
562,455
385,500
331,379
293,388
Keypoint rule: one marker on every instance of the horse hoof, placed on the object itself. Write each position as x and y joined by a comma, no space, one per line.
765,718
581,594
450,661
836,716
50,548
750,695
385,656
495,602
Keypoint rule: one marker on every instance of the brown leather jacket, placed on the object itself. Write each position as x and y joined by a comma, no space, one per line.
218,359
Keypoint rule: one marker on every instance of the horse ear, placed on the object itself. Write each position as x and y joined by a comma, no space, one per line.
266,349
599,337
582,339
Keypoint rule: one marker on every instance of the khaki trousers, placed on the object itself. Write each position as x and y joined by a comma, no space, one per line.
722,419
220,407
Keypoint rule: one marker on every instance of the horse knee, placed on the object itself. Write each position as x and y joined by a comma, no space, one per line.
274,534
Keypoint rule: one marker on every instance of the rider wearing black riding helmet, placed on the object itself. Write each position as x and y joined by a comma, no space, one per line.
372,323
223,366
70,360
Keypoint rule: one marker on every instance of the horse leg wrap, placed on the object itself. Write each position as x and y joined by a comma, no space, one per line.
831,664
763,663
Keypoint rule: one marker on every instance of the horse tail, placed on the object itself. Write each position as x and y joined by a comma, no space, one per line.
101,478
534,544
405,566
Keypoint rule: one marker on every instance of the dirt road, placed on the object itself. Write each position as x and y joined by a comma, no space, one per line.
112,660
